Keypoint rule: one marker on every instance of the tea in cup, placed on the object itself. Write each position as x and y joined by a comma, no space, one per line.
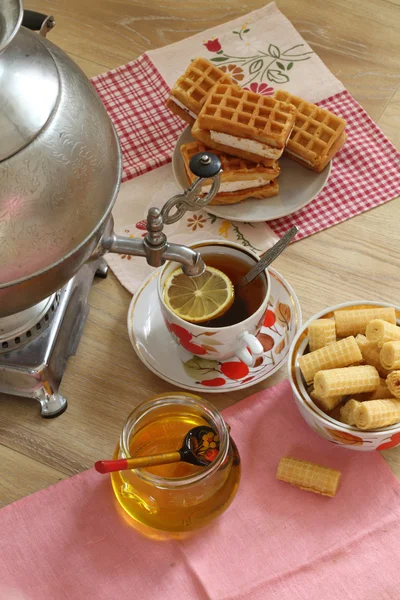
234,332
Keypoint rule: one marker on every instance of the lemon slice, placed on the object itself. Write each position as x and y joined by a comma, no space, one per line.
198,299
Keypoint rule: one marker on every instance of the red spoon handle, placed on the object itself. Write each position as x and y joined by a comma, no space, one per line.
108,466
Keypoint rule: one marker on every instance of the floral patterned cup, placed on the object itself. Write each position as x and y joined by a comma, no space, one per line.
218,343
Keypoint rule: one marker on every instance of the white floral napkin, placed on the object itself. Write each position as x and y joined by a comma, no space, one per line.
261,50
154,189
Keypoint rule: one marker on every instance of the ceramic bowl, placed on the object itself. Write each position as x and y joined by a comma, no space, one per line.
324,425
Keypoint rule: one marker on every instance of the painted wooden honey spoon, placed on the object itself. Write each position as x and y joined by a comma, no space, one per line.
200,447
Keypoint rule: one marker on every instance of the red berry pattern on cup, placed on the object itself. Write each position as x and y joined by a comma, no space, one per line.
275,327
269,318
185,339
234,370
216,382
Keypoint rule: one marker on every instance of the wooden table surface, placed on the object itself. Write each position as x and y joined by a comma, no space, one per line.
359,41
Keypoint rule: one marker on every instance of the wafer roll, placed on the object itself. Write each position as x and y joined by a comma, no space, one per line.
377,413
351,380
347,411
382,392
352,322
380,331
393,383
326,404
321,333
390,355
338,354
370,353
308,476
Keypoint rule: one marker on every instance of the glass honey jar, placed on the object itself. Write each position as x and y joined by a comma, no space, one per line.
172,500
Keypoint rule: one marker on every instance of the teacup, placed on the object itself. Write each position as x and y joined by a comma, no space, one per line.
214,340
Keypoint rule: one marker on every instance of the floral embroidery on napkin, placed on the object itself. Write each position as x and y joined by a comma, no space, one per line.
196,222
258,67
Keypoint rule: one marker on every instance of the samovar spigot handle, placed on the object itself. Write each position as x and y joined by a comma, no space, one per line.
204,165
155,240
155,246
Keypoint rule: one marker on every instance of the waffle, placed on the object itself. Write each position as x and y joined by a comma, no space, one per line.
380,331
327,404
244,123
192,88
371,354
390,355
308,476
383,390
377,413
338,354
268,190
347,411
350,380
235,171
321,332
352,322
317,133
393,383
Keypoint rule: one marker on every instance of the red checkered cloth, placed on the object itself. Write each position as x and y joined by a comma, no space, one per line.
365,173
134,96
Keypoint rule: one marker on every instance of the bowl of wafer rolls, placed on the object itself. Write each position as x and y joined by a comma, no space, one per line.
344,370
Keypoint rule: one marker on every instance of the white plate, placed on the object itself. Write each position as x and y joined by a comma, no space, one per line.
297,187
159,352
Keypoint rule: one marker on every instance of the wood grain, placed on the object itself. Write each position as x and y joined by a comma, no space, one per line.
16,467
360,258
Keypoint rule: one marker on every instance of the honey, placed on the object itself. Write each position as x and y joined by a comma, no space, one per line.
172,500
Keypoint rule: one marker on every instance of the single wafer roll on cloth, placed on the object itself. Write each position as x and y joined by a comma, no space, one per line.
339,354
308,476
327,404
390,355
321,332
350,380
347,411
393,383
371,353
380,331
352,322
377,413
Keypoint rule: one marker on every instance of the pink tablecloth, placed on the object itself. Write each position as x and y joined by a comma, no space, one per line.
274,543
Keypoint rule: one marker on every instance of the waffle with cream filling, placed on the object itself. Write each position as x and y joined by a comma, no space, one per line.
317,135
245,124
192,88
240,179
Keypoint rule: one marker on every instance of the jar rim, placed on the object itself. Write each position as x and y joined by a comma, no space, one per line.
177,398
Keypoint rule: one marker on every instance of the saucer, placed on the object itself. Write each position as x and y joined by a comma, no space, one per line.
298,186
158,351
